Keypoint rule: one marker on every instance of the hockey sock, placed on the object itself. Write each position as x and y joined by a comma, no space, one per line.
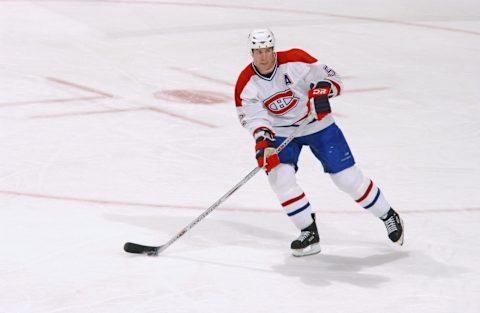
291,196
362,189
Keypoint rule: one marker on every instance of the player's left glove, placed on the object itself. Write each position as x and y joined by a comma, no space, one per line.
265,149
318,103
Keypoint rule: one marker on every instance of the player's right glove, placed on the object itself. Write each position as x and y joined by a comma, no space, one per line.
265,149
318,104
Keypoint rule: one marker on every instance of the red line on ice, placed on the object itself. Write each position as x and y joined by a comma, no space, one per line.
355,90
86,113
81,87
192,207
215,80
98,95
18,103
152,109
163,111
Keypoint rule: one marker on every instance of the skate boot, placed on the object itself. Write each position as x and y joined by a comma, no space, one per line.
308,242
394,224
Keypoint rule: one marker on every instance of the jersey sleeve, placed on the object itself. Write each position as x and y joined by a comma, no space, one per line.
250,109
311,69
319,71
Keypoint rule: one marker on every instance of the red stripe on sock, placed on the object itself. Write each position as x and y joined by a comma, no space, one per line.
366,192
293,200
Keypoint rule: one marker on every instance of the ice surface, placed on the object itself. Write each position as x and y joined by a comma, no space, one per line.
92,155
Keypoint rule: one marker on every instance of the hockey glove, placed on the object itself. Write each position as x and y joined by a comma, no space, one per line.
265,149
318,103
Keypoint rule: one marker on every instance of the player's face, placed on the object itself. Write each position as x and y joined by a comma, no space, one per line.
264,59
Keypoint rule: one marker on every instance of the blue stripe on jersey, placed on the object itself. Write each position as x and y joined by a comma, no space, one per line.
374,200
299,210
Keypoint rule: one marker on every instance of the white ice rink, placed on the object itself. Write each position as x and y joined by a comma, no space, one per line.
117,123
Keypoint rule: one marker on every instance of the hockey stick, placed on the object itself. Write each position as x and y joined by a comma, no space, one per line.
155,250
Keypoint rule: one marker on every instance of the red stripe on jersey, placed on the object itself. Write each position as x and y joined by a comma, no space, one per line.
294,55
304,117
293,200
268,128
366,192
242,81
339,90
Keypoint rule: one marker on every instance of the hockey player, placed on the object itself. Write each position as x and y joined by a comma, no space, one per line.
273,95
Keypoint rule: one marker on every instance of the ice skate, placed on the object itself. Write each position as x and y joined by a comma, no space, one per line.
308,242
394,224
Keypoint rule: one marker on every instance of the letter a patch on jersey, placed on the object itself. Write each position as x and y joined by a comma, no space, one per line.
287,80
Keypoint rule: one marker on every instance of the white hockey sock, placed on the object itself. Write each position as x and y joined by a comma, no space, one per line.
291,196
372,199
362,190
297,207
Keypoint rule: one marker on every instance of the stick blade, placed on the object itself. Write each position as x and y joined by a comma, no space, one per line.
131,247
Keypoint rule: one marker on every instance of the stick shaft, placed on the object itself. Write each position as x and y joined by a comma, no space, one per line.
233,190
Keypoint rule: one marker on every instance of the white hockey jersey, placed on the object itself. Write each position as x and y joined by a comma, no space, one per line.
279,102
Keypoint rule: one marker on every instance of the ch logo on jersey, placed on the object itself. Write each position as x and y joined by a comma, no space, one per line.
281,102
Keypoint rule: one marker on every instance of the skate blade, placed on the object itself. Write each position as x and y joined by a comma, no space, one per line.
310,250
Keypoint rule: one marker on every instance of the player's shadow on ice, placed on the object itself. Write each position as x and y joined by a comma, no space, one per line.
207,234
380,266
325,269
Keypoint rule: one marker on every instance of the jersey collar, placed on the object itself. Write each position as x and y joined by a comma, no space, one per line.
268,77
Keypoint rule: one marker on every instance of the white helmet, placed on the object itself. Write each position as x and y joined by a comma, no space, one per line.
261,38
